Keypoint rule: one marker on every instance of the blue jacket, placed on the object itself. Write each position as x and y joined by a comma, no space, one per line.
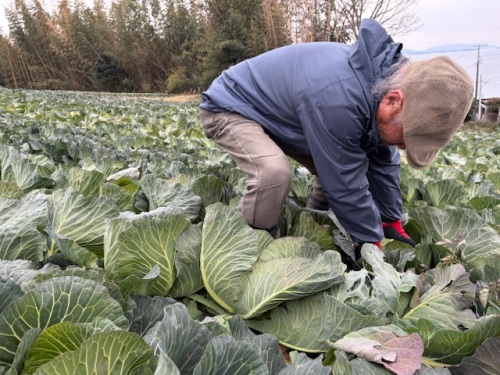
315,99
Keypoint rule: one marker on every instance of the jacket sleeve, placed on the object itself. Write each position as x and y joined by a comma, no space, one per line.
333,133
384,178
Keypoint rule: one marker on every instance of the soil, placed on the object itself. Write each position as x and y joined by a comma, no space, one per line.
183,98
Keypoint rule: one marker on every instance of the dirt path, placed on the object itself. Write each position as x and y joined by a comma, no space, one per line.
183,98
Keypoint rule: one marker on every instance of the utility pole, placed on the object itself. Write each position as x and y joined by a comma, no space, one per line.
479,108
477,68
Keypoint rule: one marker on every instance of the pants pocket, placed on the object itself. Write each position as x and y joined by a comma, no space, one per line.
213,123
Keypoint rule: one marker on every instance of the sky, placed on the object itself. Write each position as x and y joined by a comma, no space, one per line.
455,21
472,22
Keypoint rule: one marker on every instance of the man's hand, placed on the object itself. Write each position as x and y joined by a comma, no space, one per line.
395,231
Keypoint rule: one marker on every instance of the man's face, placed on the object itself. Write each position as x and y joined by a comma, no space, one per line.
390,119
391,133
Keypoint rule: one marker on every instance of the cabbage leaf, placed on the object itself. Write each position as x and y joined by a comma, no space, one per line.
248,273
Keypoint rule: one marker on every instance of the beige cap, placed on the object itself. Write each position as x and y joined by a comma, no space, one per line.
437,96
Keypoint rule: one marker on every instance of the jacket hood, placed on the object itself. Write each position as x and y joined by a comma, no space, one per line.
374,52
371,58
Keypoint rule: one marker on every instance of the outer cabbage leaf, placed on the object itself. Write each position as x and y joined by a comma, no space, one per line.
443,193
400,255
341,365
447,303
425,370
31,281
479,188
217,325
159,193
211,189
134,248
303,365
377,291
301,184
388,345
79,218
25,344
25,174
493,308
229,249
60,338
9,190
491,217
74,252
118,352
266,345
494,177
364,367
307,227
226,355
9,291
6,153
289,268
386,282
180,337
308,324
122,196
464,230
481,203
86,182
165,364
19,219
187,263
410,189
450,346
146,312
19,270
485,360
355,291
71,299
246,278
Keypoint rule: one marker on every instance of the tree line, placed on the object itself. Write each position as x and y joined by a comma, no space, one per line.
168,45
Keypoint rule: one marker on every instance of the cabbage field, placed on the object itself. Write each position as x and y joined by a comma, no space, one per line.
122,252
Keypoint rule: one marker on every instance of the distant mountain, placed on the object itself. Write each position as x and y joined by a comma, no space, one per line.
445,48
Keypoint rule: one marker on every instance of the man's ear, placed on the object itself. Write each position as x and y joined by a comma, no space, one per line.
393,101
394,97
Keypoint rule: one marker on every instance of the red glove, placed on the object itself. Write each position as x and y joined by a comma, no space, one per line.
395,231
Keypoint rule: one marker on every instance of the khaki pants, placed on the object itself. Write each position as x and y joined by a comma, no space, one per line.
269,173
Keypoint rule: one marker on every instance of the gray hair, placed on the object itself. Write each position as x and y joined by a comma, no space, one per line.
393,81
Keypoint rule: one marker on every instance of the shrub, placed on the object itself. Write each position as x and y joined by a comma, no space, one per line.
493,105
109,73
178,82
